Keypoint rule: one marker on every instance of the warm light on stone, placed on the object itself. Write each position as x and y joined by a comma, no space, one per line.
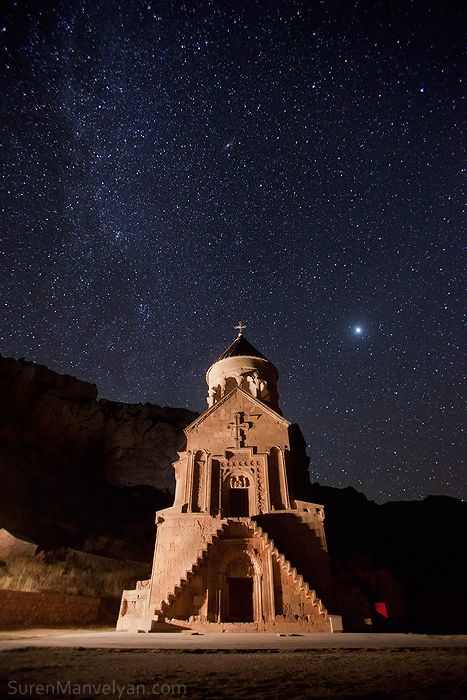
243,366
228,550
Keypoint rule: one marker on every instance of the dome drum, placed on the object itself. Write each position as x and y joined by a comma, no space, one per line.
255,375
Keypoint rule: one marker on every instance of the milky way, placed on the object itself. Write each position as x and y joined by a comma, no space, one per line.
172,167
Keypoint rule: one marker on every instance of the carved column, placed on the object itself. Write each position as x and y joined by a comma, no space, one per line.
189,479
257,597
207,483
266,492
198,496
268,584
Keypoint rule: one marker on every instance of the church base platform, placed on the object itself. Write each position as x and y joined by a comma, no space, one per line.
332,624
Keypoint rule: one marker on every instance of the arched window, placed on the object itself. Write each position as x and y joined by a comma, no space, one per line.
230,385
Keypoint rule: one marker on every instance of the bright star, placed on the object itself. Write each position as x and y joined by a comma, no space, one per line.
358,330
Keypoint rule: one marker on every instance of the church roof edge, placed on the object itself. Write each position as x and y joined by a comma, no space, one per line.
260,403
241,347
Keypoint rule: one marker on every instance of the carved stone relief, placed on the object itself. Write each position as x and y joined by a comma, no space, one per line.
239,481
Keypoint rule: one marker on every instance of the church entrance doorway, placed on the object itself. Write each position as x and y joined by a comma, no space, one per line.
240,599
239,503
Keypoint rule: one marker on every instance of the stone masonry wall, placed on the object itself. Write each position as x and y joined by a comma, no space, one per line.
26,609
176,552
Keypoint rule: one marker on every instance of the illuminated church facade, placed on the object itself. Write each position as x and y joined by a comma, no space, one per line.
239,549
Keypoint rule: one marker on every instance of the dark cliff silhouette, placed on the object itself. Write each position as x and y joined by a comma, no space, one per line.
89,474
81,472
408,557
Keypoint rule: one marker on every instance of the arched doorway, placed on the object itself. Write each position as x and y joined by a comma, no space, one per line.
239,590
240,595
237,496
239,503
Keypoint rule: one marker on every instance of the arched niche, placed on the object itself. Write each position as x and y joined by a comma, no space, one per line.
276,479
215,504
239,589
230,384
198,481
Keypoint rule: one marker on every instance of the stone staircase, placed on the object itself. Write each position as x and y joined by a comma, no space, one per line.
200,559
295,536
297,579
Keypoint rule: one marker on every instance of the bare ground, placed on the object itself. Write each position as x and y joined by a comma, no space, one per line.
234,674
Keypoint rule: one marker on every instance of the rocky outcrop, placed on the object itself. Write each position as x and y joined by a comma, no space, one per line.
78,471
409,556
140,443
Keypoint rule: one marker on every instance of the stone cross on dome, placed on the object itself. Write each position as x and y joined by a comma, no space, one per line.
240,327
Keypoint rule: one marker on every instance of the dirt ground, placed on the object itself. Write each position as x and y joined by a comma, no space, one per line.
233,674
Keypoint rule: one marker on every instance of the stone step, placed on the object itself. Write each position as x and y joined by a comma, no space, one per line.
297,578
291,570
198,562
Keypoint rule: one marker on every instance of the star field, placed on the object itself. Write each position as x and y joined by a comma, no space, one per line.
171,167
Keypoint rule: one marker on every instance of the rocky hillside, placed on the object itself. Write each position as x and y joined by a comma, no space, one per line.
81,472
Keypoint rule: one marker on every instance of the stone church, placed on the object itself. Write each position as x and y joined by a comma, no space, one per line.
238,550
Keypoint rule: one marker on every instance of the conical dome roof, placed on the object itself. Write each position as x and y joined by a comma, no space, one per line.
243,366
241,347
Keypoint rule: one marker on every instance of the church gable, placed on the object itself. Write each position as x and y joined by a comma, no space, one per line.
238,420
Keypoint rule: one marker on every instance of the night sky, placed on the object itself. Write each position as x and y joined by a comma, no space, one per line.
172,167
